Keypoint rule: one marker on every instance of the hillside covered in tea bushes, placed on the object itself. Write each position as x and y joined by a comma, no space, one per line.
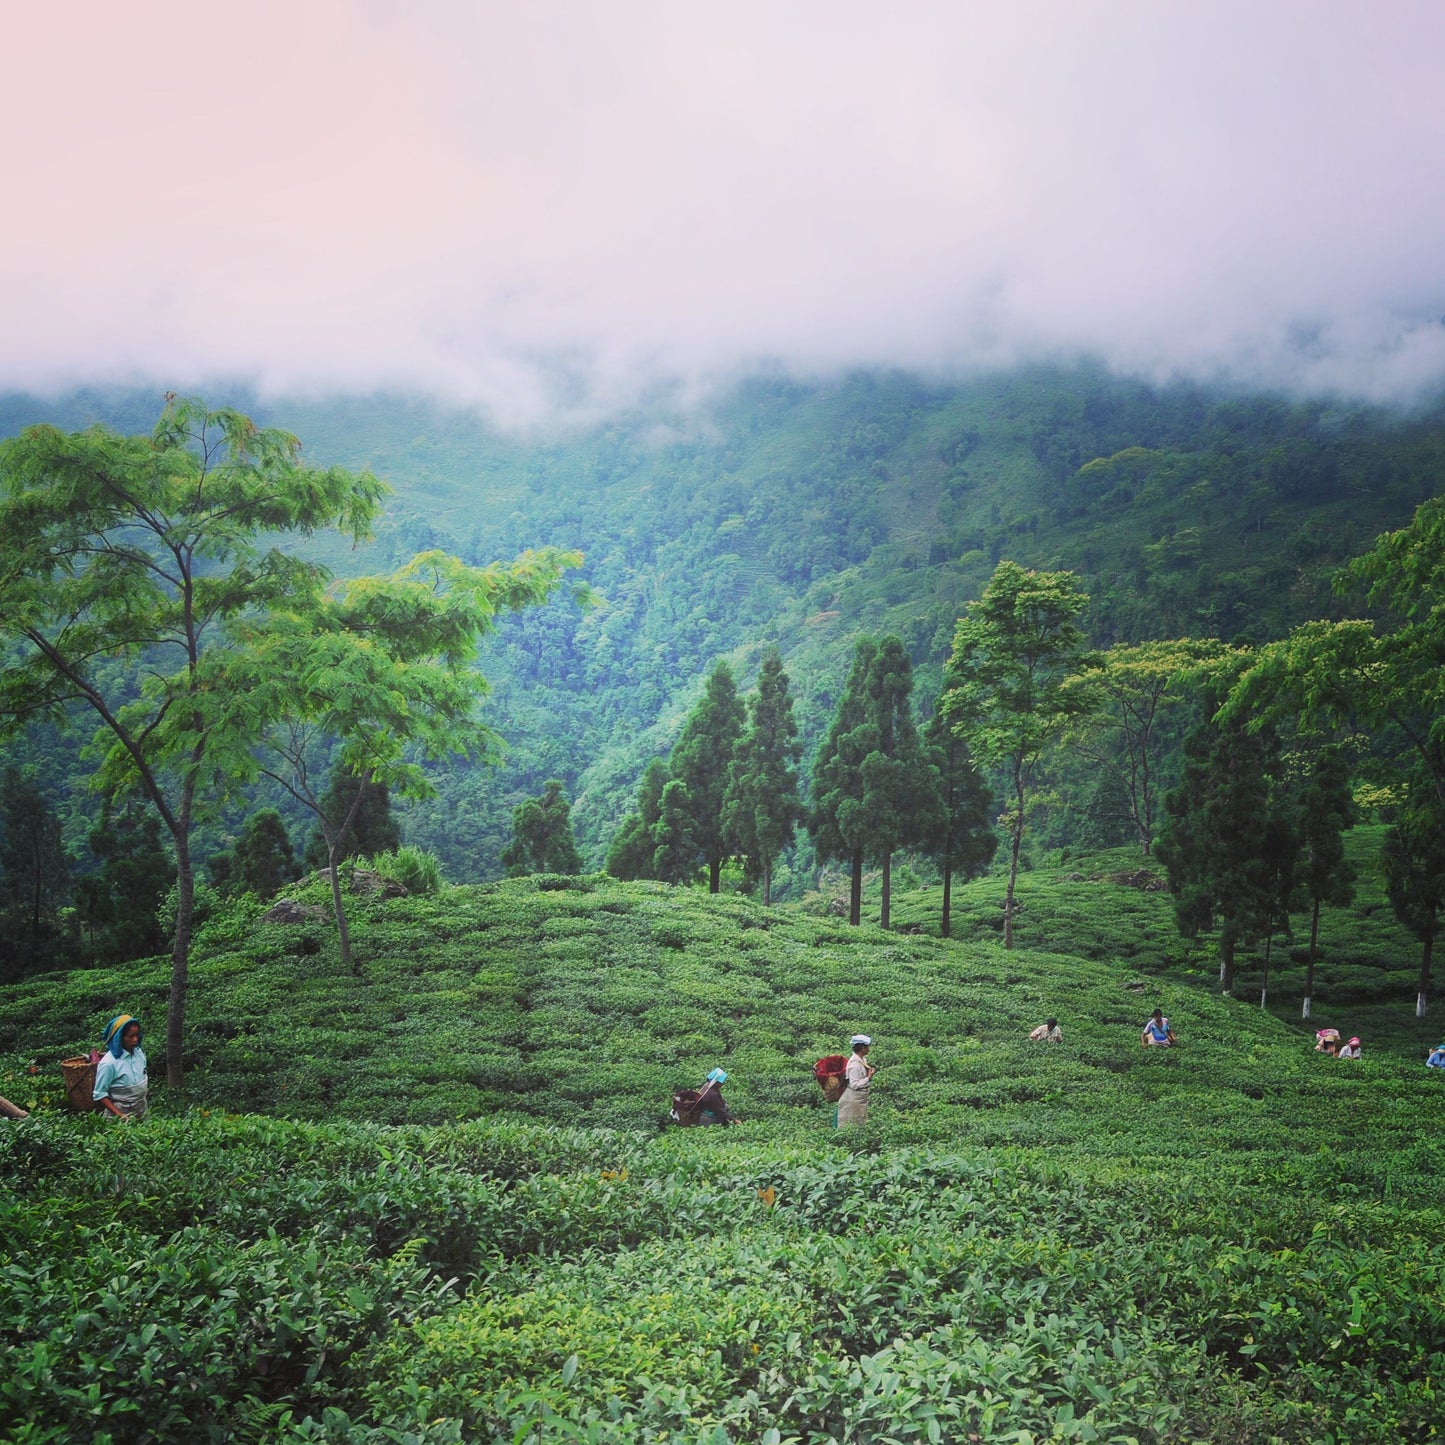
430,1200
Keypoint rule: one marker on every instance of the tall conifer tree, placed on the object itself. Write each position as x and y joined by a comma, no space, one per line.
364,826
701,759
1215,842
838,777
675,850
263,860
34,877
763,807
632,848
875,788
1414,859
902,799
964,842
542,835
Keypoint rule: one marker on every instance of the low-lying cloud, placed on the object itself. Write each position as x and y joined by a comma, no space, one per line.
560,205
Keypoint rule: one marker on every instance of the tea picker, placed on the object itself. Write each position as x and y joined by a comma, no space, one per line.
693,1107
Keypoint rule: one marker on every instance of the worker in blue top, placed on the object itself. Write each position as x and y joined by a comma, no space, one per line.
122,1087
1156,1033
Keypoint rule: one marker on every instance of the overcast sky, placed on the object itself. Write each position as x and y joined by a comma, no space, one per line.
531,203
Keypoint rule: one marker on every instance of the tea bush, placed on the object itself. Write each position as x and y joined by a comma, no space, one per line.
258,1276
432,1203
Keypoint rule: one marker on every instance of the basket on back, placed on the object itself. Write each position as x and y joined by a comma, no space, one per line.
686,1107
828,1071
79,1075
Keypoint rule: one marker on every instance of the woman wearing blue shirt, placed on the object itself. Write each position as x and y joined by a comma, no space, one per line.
1156,1033
121,1084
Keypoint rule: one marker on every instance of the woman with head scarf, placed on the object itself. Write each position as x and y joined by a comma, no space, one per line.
853,1106
121,1085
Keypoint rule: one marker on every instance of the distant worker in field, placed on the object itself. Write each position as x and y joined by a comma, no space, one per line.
710,1099
853,1106
1436,1057
1350,1050
122,1087
1156,1033
1327,1041
1048,1032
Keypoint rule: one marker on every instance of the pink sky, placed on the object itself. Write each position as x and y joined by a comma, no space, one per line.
489,201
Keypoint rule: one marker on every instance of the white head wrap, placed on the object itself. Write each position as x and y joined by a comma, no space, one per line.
860,1039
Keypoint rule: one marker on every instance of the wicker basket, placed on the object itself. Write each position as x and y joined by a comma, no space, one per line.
79,1083
829,1073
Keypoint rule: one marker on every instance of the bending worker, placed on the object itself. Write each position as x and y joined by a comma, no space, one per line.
121,1085
1156,1033
853,1106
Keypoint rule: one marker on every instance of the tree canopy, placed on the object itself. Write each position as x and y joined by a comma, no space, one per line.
542,839
1014,651
151,550
762,806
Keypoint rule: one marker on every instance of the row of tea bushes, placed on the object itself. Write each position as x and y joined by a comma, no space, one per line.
221,1278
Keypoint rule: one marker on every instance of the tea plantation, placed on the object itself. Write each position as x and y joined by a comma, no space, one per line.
431,1201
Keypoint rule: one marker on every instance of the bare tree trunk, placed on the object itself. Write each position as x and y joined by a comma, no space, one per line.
1013,867
887,889
767,883
179,825
343,932
180,961
1226,962
855,891
714,875
1310,961
1422,993
1264,989
947,894
333,858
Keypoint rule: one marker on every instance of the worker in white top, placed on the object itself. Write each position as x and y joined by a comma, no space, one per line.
853,1106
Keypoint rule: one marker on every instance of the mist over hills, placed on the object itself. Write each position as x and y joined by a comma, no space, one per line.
802,514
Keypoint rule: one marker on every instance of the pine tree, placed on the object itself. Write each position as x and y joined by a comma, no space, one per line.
121,904
630,855
838,777
763,808
372,830
675,850
263,861
902,794
34,878
875,788
542,835
1414,860
1326,810
701,759
1282,881
1215,838
965,841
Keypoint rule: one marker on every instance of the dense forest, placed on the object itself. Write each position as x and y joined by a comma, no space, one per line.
798,517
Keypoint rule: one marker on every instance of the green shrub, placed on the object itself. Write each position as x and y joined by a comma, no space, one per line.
415,869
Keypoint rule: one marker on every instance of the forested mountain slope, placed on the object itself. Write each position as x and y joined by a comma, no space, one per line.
803,514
